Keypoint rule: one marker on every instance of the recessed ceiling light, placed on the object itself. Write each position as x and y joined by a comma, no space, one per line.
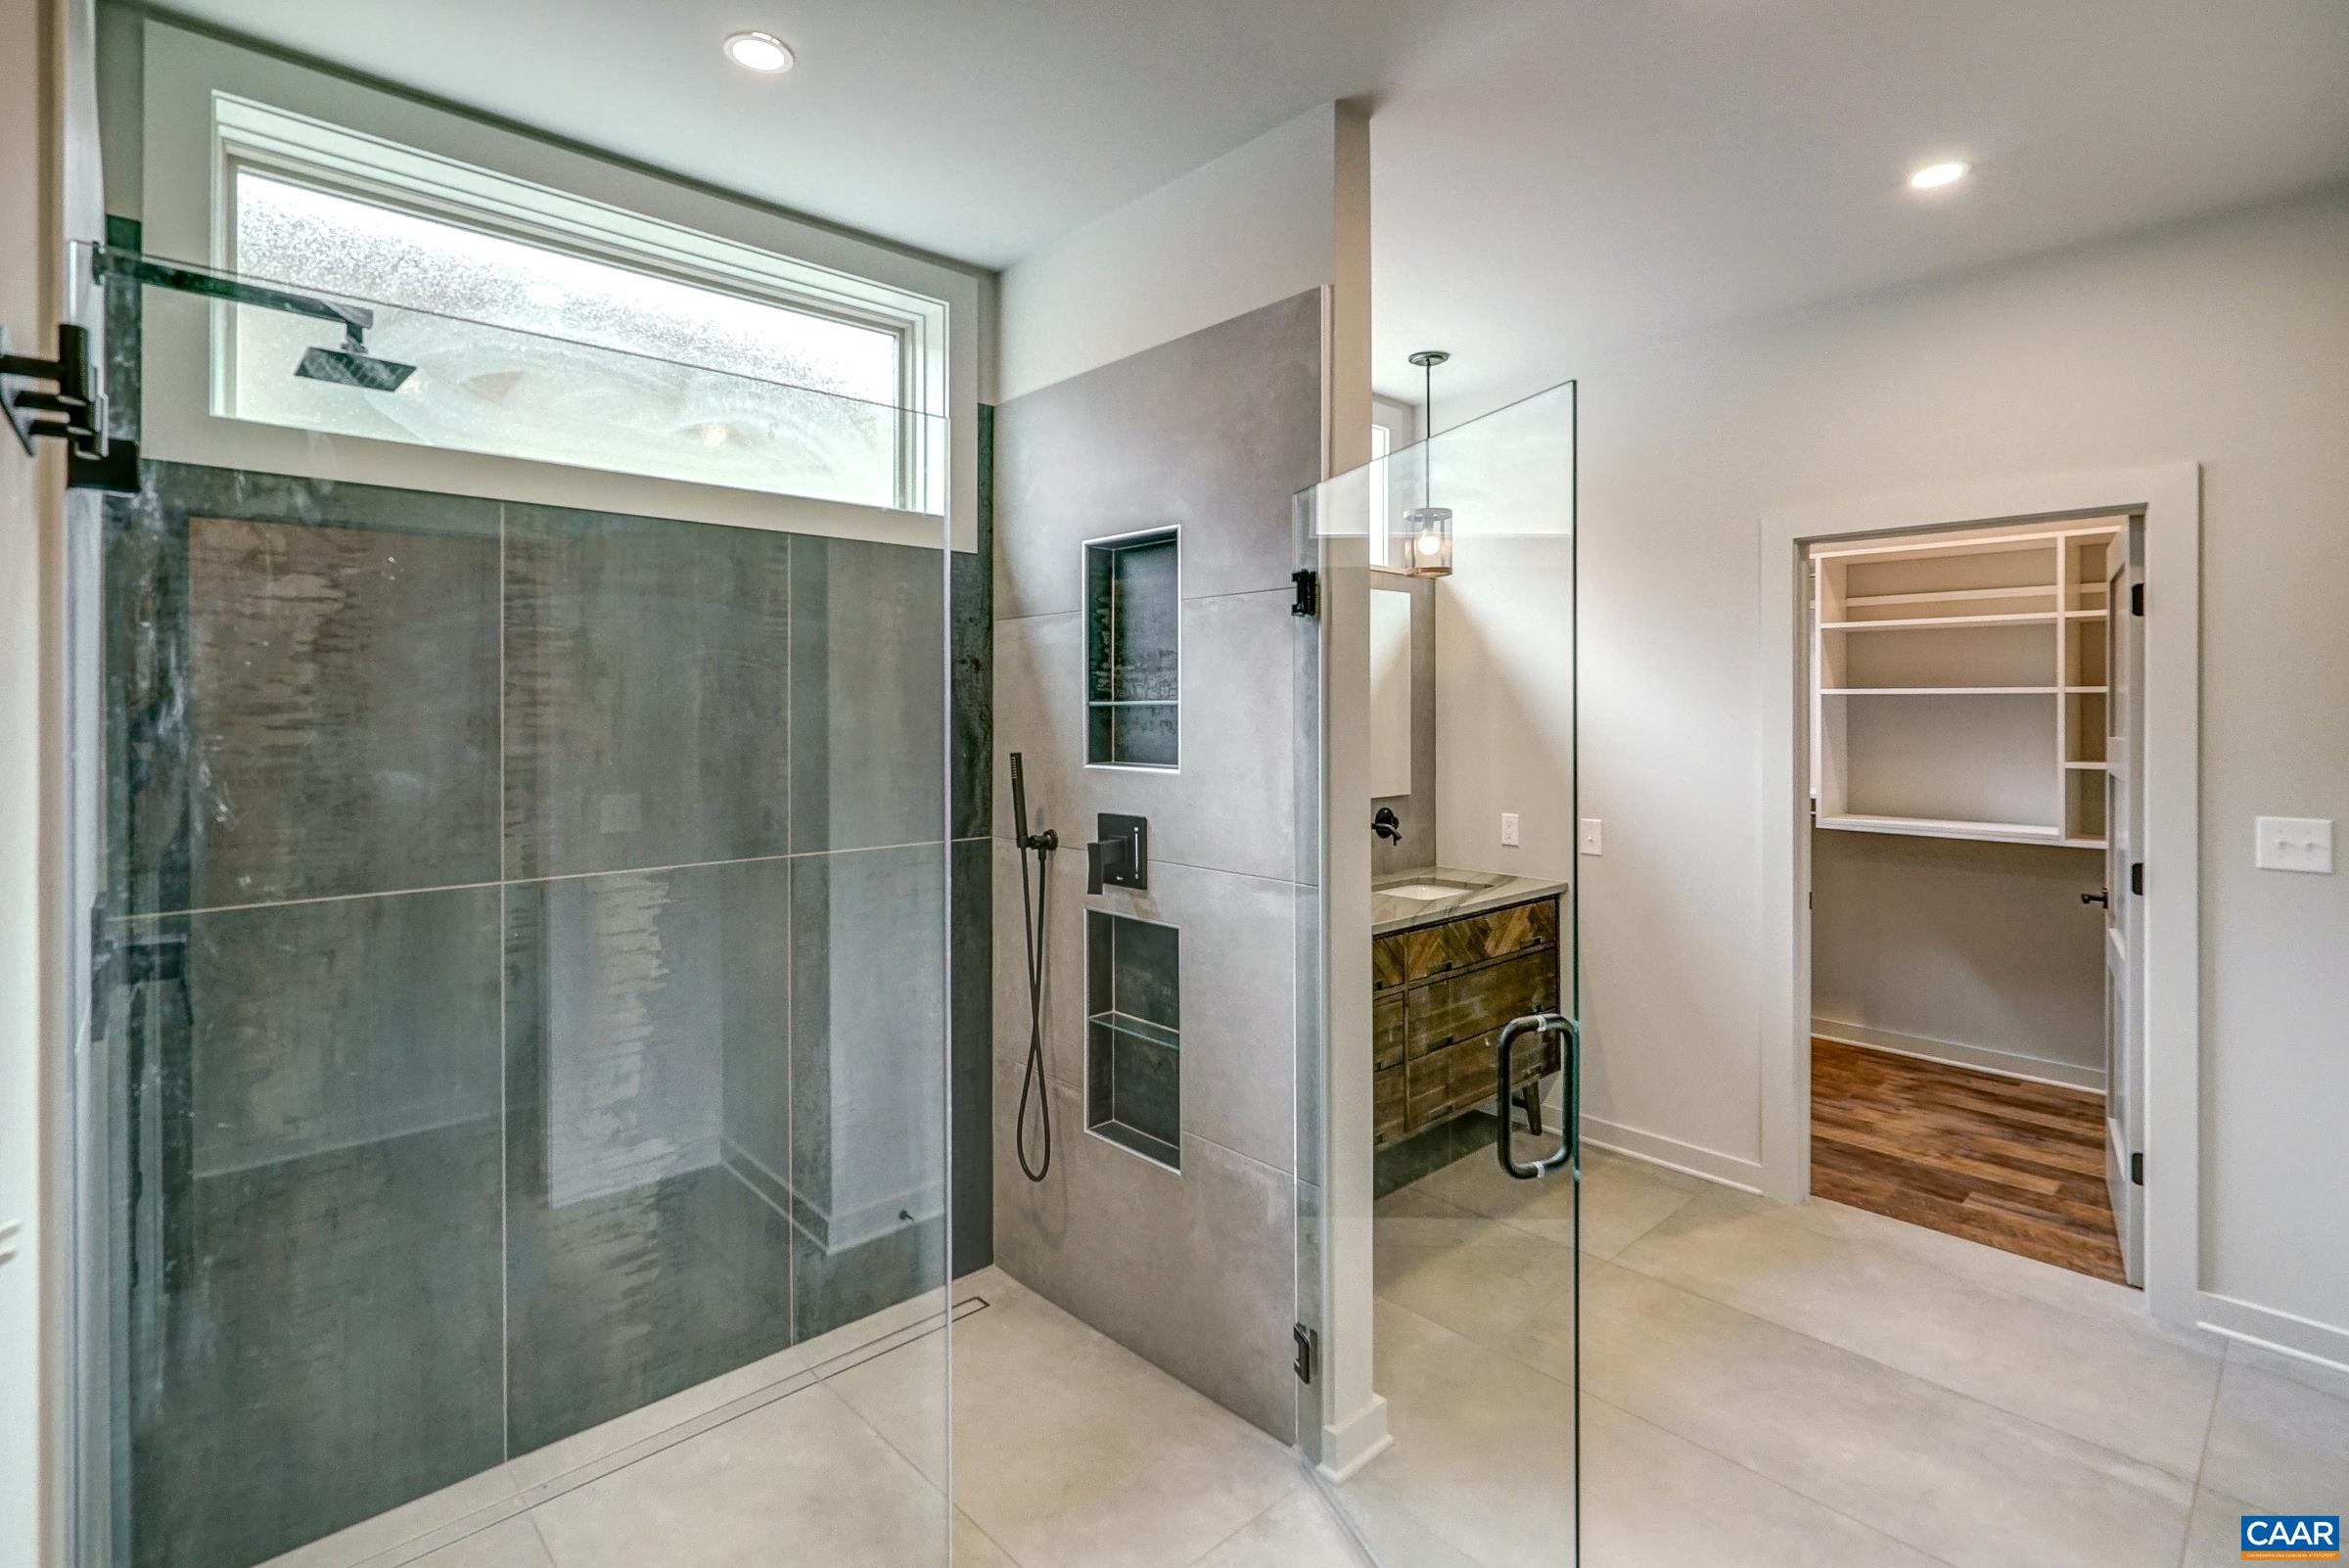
1933,177
759,51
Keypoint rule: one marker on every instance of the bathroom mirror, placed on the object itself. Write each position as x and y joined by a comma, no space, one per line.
1390,692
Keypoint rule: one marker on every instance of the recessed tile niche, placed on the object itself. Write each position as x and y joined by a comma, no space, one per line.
1133,1034
1133,661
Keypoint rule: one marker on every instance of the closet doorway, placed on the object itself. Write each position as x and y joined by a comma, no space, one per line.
1974,722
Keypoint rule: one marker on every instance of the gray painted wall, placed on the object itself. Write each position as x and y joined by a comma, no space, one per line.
1417,810
1985,946
1196,1270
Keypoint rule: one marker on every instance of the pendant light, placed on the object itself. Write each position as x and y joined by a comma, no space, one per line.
1429,525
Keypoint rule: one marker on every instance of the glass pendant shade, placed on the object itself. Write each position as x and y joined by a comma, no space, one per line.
1430,529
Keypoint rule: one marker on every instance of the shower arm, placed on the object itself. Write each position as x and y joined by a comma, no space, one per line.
110,263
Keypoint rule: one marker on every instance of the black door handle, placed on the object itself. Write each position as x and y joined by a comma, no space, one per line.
2102,895
1569,1133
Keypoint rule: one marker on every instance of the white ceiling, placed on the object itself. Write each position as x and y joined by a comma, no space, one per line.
1616,172
1549,179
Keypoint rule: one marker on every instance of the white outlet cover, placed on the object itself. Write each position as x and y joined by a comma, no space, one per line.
2295,843
1509,830
1591,835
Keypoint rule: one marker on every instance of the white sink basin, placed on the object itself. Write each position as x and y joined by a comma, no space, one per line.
1428,891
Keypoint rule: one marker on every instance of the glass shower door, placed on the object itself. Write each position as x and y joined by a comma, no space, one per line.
523,966
1443,1205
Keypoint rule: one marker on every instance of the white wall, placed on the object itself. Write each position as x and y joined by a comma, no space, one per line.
1504,705
1975,953
2225,342
1254,226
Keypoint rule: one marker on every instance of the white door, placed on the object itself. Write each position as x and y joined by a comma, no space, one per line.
2123,913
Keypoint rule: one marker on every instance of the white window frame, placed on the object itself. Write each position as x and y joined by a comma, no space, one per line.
335,161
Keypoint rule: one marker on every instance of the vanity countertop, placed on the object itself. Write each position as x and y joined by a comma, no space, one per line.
1488,889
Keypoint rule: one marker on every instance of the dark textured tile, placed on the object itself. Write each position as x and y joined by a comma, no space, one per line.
836,1285
645,1013
971,608
972,1006
868,717
302,677
314,1263
125,360
868,1040
647,692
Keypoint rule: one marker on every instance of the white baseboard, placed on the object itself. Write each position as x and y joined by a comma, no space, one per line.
2283,1332
1655,1148
1950,1053
1349,1445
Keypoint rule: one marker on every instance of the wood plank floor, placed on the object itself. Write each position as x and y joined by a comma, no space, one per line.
2015,1165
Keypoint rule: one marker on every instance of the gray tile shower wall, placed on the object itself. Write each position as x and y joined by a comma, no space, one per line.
1216,433
419,807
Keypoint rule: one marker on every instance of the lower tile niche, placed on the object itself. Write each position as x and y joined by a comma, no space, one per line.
1133,1034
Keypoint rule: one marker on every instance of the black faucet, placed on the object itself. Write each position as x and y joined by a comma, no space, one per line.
1386,825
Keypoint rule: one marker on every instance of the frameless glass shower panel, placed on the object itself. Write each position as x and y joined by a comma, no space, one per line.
1440,1201
523,970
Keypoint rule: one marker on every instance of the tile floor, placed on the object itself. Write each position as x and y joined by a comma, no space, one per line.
1764,1386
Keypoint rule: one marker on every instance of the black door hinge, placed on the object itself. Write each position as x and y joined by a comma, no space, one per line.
1308,592
72,410
1308,1344
2137,878
2136,598
2137,1170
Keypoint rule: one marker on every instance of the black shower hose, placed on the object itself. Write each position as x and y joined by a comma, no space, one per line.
1032,1082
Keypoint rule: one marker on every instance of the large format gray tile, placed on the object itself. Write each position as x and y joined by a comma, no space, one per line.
1071,1451
1231,805
646,694
646,1250
801,1483
513,1544
316,1294
2280,1441
869,755
309,681
1949,1475
1216,430
1298,1532
2125,1385
1484,1462
1194,1271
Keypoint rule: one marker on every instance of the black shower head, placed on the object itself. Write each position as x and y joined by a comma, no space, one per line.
351,365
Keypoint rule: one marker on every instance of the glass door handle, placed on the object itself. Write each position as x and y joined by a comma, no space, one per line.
1536,1023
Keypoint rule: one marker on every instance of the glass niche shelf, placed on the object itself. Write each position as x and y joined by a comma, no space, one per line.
1134,1035
1133,650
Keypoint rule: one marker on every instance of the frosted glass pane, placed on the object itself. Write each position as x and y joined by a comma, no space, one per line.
534,354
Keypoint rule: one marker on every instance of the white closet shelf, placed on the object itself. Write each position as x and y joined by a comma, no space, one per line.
1931,827
2085,691
2085,844
2040,617
2086,615
1944,691
1948,595
2098,768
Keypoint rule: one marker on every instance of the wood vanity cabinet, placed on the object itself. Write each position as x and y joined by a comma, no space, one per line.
1441,994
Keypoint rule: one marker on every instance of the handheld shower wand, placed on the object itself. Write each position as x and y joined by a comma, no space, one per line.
1033,928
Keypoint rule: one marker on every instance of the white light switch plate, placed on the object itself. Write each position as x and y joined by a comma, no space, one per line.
1509,830
1591,835
2295,844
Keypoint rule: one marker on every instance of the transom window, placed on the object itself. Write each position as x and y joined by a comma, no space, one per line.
546,327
